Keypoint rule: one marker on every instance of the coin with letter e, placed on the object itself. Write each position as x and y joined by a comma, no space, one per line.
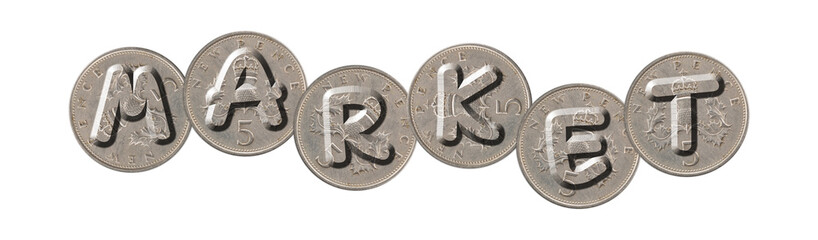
241,91
573,149
127,110
686,114
352,128
466,103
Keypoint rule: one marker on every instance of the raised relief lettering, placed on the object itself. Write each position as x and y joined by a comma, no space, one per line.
173,83
132,95
575,128
682,92
97,72
248,133
246,81
361,112
503,109
195,83
149,157
453,105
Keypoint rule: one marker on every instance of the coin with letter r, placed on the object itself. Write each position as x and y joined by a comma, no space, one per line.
352,128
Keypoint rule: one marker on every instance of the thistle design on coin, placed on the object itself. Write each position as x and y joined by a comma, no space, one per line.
352,128
573,149
127,110
686,114
465,104
241,92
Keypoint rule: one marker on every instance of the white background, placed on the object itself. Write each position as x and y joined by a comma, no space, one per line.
50,189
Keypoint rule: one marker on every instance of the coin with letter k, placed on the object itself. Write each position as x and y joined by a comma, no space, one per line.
466,103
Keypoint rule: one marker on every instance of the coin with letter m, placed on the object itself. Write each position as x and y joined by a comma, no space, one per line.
127,110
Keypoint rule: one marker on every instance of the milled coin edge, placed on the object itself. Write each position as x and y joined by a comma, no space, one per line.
703,171
428,149
71,112
203,136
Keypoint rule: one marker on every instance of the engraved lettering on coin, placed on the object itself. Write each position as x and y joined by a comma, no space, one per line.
133,113
348,132
242,90
677,114
578,158
465,100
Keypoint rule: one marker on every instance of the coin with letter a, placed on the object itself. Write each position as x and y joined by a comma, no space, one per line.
686,114
466,103
127,110
241,91
352,128
573,148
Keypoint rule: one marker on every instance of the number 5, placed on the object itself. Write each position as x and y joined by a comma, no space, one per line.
250,136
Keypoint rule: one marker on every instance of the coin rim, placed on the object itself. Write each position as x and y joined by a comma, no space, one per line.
71,112
488,161
699,172
298,144
190,68
530,179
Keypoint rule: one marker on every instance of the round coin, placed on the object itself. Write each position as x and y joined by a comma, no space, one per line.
466,103
127,111
240,93
352,128
686,114
573,149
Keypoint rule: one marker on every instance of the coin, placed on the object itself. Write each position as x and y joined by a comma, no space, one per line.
352,128
240,93
127,111
686,114
573,149
466,102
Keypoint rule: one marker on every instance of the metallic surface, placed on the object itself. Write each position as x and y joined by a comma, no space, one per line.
241,91
352,128
573,149
686,114
466,103
127,111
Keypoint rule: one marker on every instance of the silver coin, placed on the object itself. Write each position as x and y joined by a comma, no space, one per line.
573,148
240,93
352,128
686,114
127,111
466,103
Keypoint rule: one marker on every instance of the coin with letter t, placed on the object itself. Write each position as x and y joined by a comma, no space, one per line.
466,103
686,114
573,149
352,128
127,110
241,91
